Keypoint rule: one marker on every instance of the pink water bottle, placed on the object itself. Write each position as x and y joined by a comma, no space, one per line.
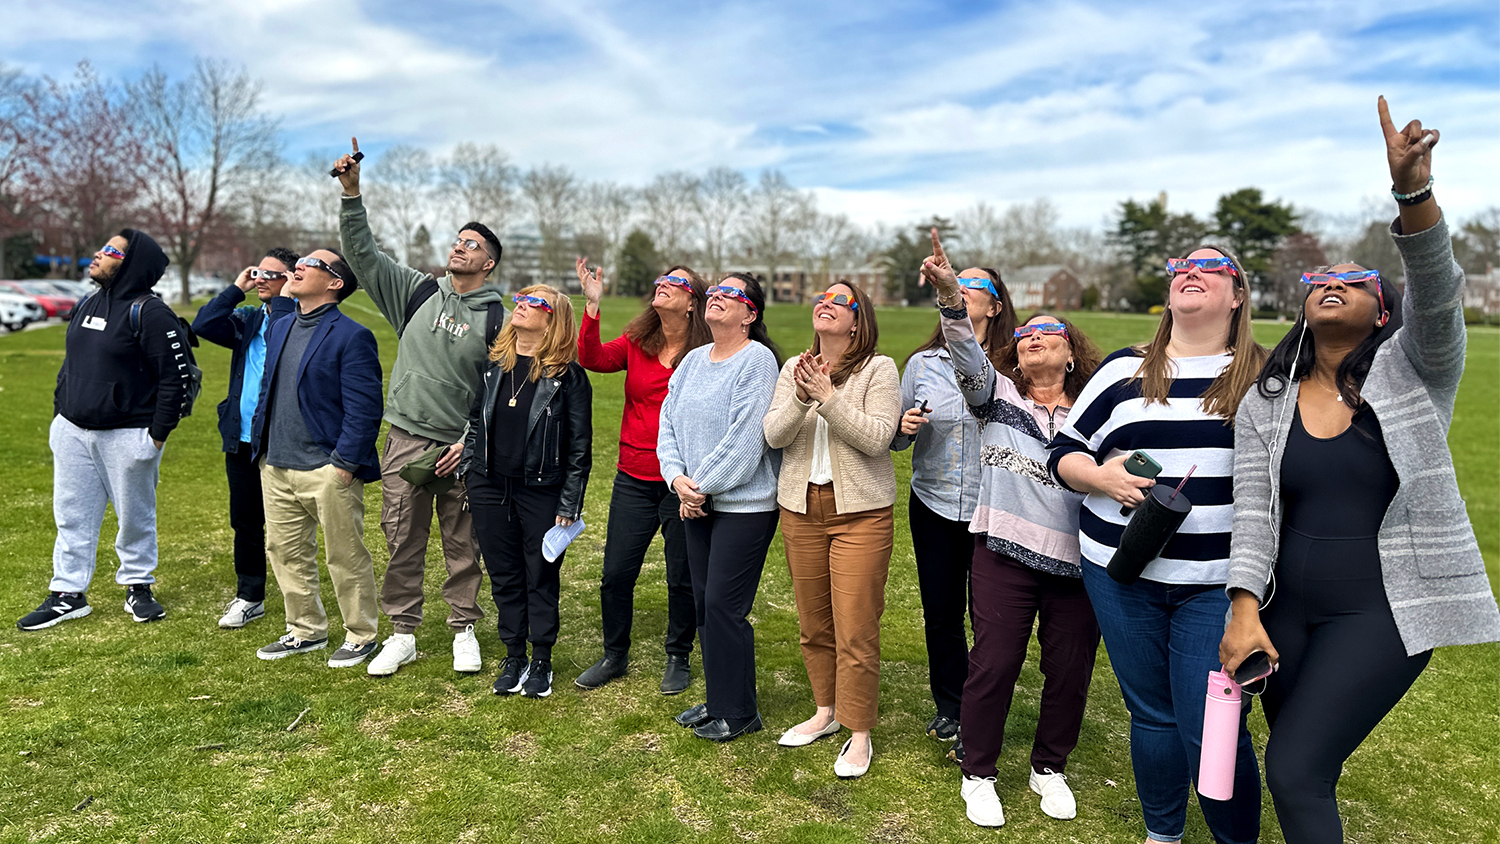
1221,737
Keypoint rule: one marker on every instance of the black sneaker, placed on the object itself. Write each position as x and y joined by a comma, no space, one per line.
956,752
512,675
350,654
142,605
538,678
943,728
678,676
606,669
289,645
56,608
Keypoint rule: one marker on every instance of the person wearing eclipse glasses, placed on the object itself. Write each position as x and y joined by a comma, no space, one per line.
945,440
1173,398
1353,555
836,408
640,502
444,329
1026,561
526,462
243,330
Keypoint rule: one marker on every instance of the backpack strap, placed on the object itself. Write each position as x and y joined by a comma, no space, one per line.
422,293
135,313
494,320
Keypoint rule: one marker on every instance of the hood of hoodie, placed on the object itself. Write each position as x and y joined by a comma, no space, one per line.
143,267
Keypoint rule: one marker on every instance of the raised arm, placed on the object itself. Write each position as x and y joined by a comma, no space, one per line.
389,284
220,320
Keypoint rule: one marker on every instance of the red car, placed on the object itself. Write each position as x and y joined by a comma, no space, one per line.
53,303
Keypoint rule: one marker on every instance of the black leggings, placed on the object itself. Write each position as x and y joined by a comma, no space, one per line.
1343,667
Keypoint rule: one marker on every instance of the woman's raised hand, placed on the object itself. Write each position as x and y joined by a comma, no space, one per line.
1408,150
939,271
592,283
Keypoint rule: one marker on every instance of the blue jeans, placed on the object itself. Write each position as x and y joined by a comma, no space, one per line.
1163,639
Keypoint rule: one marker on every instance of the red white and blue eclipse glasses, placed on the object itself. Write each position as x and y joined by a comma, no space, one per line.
533,301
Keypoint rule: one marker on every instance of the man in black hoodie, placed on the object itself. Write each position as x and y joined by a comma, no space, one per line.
119,395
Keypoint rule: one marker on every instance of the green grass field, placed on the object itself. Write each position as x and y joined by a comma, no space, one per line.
176,732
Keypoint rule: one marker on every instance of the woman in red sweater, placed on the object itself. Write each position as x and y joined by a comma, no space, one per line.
641,503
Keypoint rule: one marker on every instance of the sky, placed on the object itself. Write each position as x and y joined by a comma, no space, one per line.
888,110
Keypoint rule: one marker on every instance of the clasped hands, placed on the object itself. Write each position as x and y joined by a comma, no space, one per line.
812,380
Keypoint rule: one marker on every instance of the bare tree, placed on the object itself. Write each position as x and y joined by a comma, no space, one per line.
551,194
478,182
777,221
831,239
316,199
403,176
670,205
722,201
14,132
981,236
604,212
205,135
1029,234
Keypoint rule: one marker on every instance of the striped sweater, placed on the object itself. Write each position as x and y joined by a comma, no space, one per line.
1110,418
1433,573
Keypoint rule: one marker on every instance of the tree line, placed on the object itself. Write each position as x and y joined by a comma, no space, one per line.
199,162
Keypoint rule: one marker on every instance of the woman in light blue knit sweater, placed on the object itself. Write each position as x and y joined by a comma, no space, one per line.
714,456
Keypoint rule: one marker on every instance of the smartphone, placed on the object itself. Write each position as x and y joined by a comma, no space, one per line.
1256,666
358,156
1141,464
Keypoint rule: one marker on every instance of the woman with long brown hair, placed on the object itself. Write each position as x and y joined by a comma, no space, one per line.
1174,399
641,503
526,464
944,437
835,410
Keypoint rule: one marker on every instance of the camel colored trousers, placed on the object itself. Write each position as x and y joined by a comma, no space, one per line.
839,564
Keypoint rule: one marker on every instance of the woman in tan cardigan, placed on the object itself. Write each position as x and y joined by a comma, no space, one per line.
835,410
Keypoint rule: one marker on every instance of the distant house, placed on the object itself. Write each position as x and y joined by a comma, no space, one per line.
1483,292
1045,286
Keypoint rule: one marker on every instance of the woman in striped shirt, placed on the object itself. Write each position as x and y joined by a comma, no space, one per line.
1173,398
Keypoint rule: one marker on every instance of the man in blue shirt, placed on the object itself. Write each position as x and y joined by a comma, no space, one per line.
244,330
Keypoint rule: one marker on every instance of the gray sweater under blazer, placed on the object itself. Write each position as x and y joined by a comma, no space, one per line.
1434,575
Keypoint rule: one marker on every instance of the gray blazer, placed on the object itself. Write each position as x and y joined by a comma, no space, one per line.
1434,576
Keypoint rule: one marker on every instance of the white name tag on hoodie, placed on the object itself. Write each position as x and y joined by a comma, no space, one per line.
95,322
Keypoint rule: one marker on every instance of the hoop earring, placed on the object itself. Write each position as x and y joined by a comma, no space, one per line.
1070,367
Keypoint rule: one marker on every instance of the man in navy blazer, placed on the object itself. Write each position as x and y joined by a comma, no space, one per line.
314,435
244,330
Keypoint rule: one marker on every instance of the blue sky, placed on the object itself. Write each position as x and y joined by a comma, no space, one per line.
888,110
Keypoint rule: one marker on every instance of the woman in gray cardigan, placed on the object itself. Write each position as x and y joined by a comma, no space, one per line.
1346,508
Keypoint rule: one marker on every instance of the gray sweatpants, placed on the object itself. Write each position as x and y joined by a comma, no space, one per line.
89,470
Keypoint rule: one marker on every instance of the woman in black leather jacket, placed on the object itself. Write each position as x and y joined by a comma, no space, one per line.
526,463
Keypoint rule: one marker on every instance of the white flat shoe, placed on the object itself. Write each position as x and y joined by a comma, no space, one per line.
846,770
792,738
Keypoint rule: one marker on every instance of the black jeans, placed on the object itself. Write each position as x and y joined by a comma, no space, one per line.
1343,667
510,519
247,517
727,553
637,509
945,552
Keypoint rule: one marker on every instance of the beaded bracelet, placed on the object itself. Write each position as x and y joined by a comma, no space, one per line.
1415,197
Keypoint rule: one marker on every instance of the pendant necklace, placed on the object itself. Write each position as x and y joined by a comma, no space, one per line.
517,390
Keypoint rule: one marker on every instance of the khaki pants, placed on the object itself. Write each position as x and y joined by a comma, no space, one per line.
406,520
297,503
839,565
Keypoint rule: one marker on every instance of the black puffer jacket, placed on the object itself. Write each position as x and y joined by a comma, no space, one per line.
559,434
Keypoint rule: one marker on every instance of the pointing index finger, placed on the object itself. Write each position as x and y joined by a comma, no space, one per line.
1386,126
937,246
355,143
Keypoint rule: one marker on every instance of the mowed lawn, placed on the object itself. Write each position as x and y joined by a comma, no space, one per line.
115,731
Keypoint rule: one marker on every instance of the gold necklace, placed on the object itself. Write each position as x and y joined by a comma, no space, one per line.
517,390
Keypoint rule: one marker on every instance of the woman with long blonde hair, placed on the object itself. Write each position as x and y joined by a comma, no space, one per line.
1173,398
526,464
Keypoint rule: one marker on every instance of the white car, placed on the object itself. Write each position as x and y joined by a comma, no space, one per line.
17,311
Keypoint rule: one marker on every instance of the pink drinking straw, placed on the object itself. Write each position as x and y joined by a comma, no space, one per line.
1184,481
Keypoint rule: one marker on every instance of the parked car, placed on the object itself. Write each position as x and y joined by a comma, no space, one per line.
17,311
54,303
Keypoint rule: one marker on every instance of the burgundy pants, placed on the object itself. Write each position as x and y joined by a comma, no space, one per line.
1008,597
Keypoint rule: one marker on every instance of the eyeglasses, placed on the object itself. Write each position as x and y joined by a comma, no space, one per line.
837,299
1177,266
676,281
269,275
979,283
1351,277
1042,327
320,264
111,252
728,292
533,301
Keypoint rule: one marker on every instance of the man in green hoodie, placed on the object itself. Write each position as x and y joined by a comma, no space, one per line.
443,326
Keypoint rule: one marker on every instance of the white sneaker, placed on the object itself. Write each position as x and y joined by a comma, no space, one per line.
466,657
241,612
1057,798
983,803
397,651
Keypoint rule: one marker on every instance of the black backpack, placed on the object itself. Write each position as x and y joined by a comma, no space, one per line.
494,318
183,340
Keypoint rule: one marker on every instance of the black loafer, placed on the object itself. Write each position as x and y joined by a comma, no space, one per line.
943,728
724,729
601,672
678,676
694,717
